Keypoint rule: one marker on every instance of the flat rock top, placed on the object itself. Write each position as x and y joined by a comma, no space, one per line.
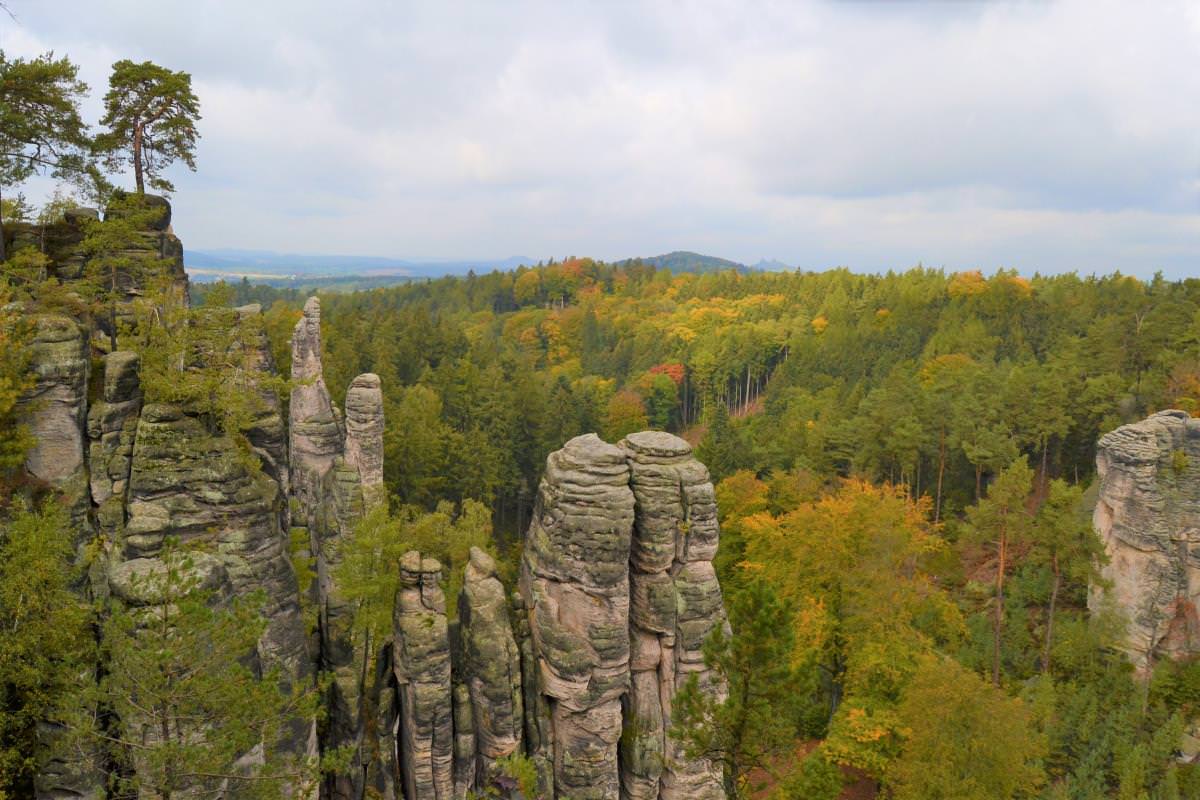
1149,439
591,449
657,443
368,380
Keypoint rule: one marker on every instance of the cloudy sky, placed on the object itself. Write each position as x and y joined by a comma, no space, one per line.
1040,135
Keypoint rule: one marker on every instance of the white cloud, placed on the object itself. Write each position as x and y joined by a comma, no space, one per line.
1042,136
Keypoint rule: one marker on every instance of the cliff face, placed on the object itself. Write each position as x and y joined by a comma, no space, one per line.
1148,517
577,669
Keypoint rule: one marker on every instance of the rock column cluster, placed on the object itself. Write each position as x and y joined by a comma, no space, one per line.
575,670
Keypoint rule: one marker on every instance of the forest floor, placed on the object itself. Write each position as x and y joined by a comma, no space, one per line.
858,786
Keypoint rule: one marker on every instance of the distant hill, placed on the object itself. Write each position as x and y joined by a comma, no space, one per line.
687,261
265,266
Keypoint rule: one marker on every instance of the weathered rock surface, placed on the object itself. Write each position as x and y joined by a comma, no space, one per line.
491,665
315,431
675,604
364,435
421,660
55,411
575,580
1148,517
617,590
197,487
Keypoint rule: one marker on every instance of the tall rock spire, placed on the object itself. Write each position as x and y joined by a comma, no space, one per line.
575,581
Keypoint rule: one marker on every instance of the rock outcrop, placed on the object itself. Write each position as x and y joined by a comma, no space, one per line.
575,580
421,660
576,669
55,411
1147,516
675,604
491,666
364,435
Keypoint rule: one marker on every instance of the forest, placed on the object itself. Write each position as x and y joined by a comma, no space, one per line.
903,463
904,467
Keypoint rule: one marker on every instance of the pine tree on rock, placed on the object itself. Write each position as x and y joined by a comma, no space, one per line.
151,115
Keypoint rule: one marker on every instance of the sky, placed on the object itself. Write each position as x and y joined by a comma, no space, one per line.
1038,136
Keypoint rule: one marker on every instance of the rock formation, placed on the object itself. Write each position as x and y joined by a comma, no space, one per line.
576,669
1147,516
675,604
491,665
421,660
55,411
575,580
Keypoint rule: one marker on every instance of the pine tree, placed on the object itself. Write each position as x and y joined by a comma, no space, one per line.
191,713
40,127
1002,520
756,723
151,115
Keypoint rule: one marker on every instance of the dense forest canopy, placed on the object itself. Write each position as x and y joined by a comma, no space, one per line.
922,378
901,462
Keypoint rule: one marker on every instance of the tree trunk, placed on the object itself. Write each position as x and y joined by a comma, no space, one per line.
978,482
137,158
998,622
3,254
1050,614
1045,448
937,505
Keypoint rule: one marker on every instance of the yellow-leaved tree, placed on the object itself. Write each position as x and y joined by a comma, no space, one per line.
852,565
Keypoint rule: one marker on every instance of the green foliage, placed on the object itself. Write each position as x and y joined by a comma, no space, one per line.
150,113
45,642
368,562
964,740
207,360
40,127
15,381
187,699
756,724
521,769
816,778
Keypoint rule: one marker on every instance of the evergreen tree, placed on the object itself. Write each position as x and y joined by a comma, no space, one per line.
1001,521
191,714
721,448
45,638
755,724
151,115
40,127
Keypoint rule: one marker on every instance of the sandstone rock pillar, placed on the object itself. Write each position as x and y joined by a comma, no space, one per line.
421,660
575,582
675,603
491,665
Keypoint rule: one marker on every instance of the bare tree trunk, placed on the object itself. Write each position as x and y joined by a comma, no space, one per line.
937,505
3,254
1050,614
998,622
137,158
